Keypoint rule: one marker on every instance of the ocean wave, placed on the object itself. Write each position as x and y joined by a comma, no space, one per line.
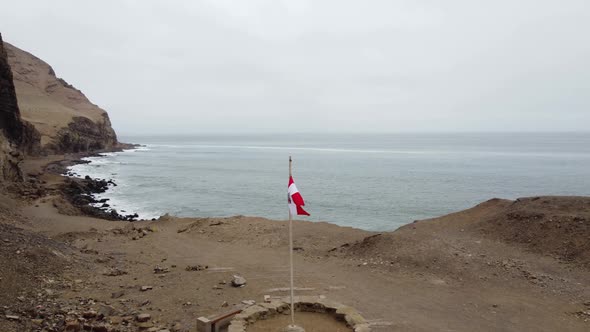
137,149
262,147
530,154
126,207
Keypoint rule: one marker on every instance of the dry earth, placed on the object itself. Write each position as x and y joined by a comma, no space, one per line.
500,266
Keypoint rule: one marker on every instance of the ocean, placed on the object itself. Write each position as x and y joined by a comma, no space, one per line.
375,182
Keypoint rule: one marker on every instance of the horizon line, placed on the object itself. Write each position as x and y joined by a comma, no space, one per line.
229,133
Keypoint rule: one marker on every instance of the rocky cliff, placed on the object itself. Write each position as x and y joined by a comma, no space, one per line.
66,120
17,137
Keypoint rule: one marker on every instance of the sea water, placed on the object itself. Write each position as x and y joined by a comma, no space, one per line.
374,182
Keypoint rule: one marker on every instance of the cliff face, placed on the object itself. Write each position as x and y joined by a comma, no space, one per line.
66,120
17,137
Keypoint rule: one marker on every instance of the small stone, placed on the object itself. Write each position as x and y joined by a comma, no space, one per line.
196,268
224,304
73,325
161,269
89,314
115,272
13,317
146,288
144,325
100,328
143,317
115,320
238,281
249,302
37,322
117,295
105,310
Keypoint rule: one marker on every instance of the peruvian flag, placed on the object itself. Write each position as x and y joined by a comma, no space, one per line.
295,200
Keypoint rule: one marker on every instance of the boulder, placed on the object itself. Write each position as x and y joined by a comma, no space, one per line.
238,281
143,317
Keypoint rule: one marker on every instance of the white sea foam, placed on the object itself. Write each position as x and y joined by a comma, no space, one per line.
125,207
137,149
105,166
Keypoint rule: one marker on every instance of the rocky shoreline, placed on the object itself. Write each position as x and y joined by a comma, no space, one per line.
80,191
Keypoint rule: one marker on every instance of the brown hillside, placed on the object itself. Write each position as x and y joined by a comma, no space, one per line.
65,118
557,227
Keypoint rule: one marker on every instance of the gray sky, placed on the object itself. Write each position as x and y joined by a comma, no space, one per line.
333,65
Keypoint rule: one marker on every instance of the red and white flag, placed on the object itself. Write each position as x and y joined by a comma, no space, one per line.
295,200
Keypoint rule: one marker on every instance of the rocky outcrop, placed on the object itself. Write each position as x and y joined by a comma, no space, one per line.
17,137
82,134
9,162
66,120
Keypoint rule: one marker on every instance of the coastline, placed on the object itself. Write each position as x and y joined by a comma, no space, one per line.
220,176
466,275
499,259
80,190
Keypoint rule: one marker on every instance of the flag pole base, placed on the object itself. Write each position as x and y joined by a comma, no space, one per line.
293,328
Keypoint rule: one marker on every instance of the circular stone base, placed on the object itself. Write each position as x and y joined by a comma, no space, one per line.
316,313
293,328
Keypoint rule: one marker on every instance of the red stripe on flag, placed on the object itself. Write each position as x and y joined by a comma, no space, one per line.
301,211
297,199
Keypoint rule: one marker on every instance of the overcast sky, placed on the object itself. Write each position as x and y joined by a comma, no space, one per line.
321,65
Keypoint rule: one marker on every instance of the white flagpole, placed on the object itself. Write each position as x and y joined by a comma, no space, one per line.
291,254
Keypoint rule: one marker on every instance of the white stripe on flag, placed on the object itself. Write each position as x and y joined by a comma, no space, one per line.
293,209
293,189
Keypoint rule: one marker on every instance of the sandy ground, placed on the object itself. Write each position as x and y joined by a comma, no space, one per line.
444,274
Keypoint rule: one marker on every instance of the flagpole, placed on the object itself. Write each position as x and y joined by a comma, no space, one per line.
291,254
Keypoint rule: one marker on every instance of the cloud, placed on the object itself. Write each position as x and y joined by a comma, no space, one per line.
386,66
